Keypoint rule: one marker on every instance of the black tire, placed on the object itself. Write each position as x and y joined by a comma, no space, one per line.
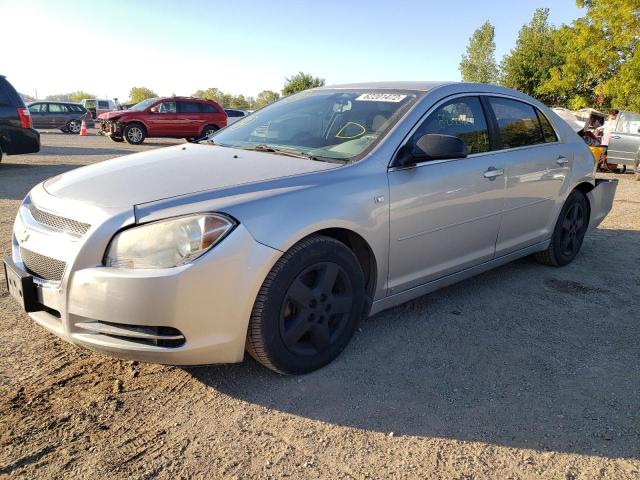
74,127
116,139
208,130
294,327
134,133
568,233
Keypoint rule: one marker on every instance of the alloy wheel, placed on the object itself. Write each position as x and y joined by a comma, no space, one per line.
572,229
316,309
74,126
135,134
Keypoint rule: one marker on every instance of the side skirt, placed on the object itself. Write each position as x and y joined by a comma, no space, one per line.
420,290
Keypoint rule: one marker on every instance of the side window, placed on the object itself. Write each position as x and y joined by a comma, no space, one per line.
547,130
189,107
55,108
207,108
461,117
167,107
629,123
37,108
102,105
517,122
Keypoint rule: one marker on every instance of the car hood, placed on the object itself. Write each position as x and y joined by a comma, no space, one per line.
169,172
111,115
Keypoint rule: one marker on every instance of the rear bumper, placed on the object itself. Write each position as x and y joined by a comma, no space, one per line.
21,140
601,200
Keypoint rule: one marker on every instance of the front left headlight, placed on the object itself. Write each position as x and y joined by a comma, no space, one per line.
167,243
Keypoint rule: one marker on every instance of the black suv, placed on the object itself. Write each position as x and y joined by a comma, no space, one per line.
16,132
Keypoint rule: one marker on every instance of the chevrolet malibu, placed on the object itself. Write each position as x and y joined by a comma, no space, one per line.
276,235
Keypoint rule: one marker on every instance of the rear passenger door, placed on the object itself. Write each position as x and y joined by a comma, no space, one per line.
57,115
624,142
445,214
536,166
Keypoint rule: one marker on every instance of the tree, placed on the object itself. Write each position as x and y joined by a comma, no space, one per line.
527,66
479,64
213,94
138,94
266,97
600,57
70,97
301,81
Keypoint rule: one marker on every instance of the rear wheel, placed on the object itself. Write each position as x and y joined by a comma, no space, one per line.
568,233
134,133
209,130
74,127
308,307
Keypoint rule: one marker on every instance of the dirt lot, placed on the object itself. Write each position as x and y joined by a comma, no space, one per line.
523,372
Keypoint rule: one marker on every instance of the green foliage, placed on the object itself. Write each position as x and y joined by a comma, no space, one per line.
527,66
138,94
301,81
479,64
70,97
600,56
224,99
266,97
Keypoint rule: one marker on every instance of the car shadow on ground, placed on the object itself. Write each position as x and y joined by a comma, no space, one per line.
73,151
12,177
523,356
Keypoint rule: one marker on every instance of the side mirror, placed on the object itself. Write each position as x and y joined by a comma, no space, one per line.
434,146
154,109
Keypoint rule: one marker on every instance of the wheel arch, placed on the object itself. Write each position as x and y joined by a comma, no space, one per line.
363,252
584,188
137,121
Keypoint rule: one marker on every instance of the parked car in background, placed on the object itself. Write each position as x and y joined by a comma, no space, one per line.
172,117
98,106
17,134
65,116
624,142
280,232
234,115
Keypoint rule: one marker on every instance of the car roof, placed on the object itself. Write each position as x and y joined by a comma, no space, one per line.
55,101
401,85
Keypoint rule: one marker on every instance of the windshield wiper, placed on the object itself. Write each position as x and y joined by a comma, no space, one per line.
281,151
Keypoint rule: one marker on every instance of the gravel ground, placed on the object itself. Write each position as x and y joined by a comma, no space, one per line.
523,372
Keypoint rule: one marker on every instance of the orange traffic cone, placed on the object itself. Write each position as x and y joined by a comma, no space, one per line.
83,129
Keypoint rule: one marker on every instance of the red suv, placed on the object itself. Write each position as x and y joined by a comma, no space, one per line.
173,117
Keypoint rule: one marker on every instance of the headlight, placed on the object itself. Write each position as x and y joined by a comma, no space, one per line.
167,243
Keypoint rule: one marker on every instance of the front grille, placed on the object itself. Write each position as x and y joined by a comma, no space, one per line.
42,266
59,223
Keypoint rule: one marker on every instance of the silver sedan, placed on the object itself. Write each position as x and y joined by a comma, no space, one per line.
279,233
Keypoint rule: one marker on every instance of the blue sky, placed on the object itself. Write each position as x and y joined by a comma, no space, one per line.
106,47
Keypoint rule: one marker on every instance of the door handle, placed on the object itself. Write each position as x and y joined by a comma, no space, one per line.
493,172
562,160
616,136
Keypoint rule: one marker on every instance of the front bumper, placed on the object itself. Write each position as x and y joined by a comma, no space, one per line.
109,128
601,200
189,315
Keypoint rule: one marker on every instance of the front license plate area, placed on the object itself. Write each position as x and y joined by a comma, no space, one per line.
21,287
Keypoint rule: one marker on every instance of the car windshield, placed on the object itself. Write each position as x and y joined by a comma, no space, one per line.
142,105
331,124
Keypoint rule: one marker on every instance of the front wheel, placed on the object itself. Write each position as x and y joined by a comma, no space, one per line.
568,233
134,133
116,139
308,307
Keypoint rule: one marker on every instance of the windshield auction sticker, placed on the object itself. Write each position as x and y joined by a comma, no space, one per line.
381,97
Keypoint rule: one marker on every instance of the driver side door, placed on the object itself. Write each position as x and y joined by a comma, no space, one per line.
445,214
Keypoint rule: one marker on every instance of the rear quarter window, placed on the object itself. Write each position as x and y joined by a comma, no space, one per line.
518,123
103,105
547,130
8,95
